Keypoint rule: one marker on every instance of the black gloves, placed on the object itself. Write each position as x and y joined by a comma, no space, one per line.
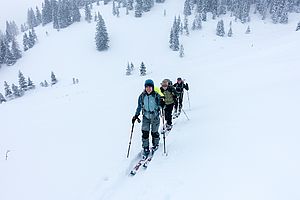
162,102
135,117
186,86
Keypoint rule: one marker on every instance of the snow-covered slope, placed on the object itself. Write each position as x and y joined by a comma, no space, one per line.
70,141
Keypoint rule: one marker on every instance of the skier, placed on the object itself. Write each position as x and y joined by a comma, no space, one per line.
179,86
149,103
170,95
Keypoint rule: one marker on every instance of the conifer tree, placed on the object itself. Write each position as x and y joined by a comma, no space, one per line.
2,99
143,69
53,79
8,92
88,14
128,70
22,81
75,13
187,8
181,51
16,50
9,35
230,32
31,40
46,83
131,66
186,26
31,18
16,91
138,8
298,27
101,35
130,4
220,28
30,84
2,51
38,16
284,18
25,42
197,23
47,11
10,58
56,24
248,30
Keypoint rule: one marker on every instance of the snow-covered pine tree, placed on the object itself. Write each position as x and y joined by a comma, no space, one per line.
25,42
31,18
284,18
2,51
128,70
131,66
187,8
186,26
47,11
8,32
114,12
181,51
30,84
38,16
138,8
46,83
130,4
8,92
31,40
248,30
22,81
34,35
55,15
88,14
42,84
10,58
16,91
53,79
2,99
298,27
197,23
229,34
101,37
220,28
147,5
75,12
143,69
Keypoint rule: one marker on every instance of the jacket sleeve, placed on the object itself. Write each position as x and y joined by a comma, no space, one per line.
139,107
186,86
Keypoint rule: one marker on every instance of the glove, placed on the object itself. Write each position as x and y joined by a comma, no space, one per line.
187,87
135,117
162,103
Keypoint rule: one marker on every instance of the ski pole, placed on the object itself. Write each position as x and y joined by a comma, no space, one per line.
188,99
131,136
185,114
164,132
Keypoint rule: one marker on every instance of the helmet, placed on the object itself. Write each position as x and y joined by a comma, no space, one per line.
149,82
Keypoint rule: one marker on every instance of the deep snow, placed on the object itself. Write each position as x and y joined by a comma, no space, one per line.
70,141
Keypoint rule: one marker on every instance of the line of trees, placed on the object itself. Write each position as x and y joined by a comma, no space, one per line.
278,10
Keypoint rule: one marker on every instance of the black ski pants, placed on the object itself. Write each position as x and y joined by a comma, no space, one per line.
168,113
178,101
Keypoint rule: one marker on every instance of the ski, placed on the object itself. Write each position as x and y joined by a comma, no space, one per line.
137,166
148,160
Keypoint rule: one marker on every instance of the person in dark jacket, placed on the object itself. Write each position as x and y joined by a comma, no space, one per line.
179,86
170,95
149,104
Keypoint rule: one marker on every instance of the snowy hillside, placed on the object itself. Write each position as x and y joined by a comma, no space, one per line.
69,141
